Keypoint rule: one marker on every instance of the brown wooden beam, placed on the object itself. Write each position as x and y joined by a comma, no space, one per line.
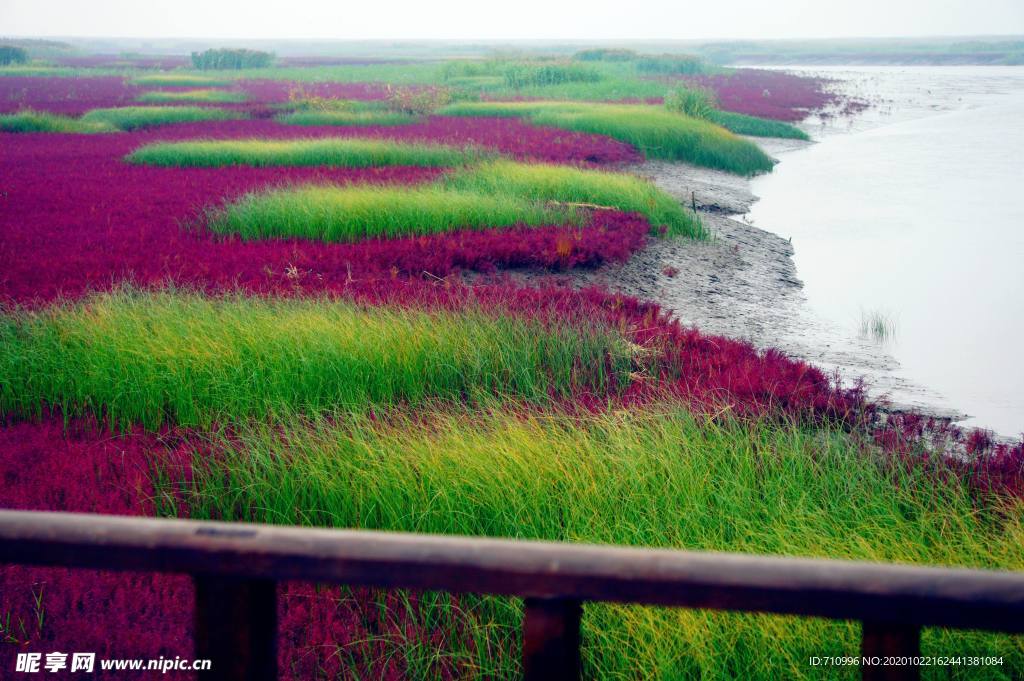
551,639
959,598
236,628
888,652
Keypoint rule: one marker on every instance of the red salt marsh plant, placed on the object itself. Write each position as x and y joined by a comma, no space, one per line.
77,217
58,466
768,93
65,96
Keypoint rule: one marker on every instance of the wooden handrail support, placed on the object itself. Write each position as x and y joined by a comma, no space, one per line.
236,565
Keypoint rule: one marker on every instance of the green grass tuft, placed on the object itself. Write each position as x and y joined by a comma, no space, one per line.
181,79
490,194
648,477
653,130
351,153
348,118
352,213
134,117
41,121
741,124
204,95
154,358
546,183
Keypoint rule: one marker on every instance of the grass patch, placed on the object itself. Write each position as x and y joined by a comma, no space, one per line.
179,80
134,117
160,357
204,95
351,153
742,124
568,185
656,132
878,325
650,477
348,118
353,213
490,194
41,121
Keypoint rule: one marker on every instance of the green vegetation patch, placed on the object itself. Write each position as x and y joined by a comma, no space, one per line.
134,117
111,120
202,95
41,121
567,185
351,153
658,133
348,118
646,477
742,124
164,357
352,213
489,194
179,79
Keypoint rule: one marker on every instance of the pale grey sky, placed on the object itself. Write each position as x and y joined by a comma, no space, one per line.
510,19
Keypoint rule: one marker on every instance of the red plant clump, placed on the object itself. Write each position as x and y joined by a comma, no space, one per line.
769,94
989,466
510,136
67,96
46,466
76,216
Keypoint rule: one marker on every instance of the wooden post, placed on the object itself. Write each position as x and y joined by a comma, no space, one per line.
551,639
886,639
236,627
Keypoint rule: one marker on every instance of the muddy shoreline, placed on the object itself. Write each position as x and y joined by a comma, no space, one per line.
743,283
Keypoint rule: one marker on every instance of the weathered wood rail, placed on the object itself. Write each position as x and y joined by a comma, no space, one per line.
236,567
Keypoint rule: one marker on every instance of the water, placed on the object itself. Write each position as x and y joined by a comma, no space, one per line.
913,214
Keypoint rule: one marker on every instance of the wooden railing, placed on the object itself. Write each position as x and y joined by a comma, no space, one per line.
236,567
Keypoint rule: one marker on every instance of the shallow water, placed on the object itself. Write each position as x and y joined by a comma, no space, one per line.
912,213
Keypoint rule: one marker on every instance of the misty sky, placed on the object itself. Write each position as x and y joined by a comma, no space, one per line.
509,19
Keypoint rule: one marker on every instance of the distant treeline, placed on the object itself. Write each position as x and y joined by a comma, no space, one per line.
667,64
10,54
231,59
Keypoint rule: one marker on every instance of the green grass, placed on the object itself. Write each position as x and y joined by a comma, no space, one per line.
351,153
546,183
348,118
490,194
41,121
203,95
653,130
741,124
134,117
111,120
352,213
649,477
878,325
165,357
179,79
